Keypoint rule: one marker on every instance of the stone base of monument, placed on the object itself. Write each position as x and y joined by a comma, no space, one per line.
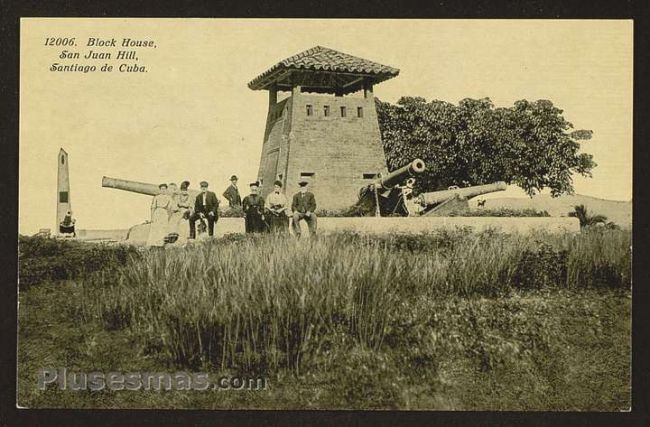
137,235
102,235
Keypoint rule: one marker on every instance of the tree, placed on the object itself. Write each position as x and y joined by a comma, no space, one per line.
587,220
529,144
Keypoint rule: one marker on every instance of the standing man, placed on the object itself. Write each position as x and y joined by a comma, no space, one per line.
232,193
253,207
276,206
206,206
303,207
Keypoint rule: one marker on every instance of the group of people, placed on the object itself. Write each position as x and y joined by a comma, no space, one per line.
273,214
173,205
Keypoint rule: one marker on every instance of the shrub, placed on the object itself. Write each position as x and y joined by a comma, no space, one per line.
541,267
42,258
352,211
364,379
501,212
356,211
234,212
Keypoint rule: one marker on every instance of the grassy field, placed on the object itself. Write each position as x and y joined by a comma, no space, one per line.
448,321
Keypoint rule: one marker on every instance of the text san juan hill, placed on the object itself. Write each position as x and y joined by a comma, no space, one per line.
101,49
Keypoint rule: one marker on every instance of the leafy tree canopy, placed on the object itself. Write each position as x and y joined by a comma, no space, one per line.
529,144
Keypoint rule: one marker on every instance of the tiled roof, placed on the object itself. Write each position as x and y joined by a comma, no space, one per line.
323,59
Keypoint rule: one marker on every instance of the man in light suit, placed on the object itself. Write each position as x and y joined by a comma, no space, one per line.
206,206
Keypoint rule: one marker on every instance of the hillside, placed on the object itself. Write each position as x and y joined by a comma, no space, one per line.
618,211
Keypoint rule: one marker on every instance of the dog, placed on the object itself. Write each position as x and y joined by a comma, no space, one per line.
202,230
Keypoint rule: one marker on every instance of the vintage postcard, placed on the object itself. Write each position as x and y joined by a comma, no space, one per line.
325,214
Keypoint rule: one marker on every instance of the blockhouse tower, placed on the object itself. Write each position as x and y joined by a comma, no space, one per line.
326,131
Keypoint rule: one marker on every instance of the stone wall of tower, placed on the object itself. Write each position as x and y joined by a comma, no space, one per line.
338,152
274,149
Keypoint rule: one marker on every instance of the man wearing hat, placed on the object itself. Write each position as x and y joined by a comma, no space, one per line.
303,207
276,206
232,193
206,206
253,207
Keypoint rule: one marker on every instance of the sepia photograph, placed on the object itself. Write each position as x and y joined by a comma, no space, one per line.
325,214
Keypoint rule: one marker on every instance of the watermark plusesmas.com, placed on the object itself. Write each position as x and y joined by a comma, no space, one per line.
156,381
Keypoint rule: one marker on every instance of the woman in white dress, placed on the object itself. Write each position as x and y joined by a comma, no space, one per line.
181,210
160,209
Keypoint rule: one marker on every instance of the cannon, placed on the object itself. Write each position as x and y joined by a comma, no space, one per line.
400,175
386,196
139,233
453,199
138,187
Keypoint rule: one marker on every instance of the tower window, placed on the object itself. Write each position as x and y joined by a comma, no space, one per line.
360,112
310,110
326,110
63,197
344,111
62,160
306,174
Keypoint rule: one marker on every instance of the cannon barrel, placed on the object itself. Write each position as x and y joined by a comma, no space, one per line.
132,186
395,177
137,187
435,197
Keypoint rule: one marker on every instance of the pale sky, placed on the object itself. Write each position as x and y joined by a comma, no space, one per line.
192,116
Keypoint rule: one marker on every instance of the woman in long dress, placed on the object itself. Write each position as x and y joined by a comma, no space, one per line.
181,211
276,207
160,209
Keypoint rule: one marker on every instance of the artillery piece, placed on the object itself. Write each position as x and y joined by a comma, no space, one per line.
139,232
393,195
138,187
386,196
440,203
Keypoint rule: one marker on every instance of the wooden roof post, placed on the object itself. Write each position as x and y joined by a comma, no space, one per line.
296,88
367,88
273,95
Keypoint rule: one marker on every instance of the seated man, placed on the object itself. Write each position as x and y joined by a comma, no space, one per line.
67,225
206,207
303,207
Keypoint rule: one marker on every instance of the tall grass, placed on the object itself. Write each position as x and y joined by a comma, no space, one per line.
265,302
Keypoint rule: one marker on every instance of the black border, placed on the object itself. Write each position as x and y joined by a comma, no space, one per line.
12,11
